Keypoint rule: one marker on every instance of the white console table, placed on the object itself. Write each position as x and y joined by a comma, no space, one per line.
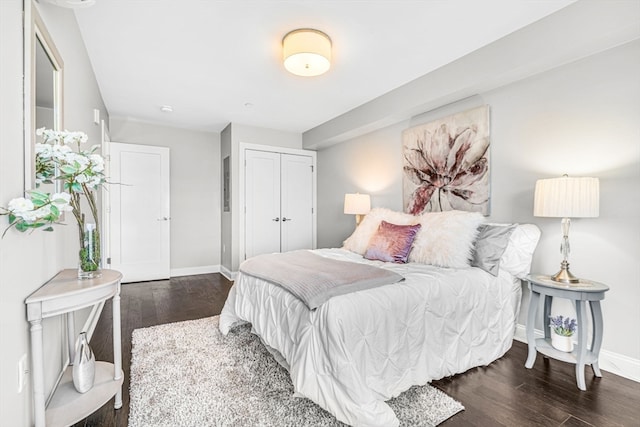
63,295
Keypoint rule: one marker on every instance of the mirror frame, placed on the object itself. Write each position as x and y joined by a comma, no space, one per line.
34,31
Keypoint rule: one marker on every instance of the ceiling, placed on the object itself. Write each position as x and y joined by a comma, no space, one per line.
220,61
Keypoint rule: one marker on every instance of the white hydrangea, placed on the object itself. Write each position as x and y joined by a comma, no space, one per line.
20,205
44,151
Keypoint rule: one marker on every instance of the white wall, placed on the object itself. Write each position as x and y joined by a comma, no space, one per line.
582,119
28,260
195,191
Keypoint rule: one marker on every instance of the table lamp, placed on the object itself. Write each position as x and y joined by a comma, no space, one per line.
358,205
566,197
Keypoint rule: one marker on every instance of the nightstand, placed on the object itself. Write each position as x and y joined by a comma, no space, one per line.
581,293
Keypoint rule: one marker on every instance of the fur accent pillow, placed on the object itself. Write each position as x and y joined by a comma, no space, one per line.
359,239
446,238
392,243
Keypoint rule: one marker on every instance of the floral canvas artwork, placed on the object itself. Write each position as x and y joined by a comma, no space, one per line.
446,164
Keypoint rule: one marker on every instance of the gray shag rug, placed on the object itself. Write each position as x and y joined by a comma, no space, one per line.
188,374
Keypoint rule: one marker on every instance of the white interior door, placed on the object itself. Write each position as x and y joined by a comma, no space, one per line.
140,213
296,229
262,203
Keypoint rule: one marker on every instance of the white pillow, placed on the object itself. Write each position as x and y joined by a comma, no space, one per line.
517,257
446,238
359,239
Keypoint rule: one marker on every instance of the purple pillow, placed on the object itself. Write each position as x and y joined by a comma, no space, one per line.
392,243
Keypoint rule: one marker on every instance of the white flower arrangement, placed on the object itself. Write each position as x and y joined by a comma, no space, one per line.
81,172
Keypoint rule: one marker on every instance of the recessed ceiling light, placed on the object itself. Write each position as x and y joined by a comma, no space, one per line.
166,109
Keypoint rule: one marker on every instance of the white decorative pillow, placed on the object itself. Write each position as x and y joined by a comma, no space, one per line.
359,239
517,257
446,239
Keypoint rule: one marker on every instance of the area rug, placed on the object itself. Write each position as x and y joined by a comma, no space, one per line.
188,374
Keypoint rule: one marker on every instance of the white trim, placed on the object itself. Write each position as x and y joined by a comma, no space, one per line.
615,363
192,271
230,275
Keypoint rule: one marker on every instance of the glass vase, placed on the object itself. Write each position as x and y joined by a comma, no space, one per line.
89,256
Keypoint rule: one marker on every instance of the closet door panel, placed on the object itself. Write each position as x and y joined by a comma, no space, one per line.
296,202
262,202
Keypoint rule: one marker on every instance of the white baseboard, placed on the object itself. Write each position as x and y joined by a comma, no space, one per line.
230,275
192,271
615,363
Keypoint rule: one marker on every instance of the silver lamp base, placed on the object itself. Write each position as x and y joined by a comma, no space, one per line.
564,275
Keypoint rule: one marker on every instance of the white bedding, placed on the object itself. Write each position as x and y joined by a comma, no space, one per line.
358,350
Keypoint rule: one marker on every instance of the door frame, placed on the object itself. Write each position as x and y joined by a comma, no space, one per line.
243,147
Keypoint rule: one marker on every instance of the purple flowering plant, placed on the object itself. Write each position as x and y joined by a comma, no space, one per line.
563,326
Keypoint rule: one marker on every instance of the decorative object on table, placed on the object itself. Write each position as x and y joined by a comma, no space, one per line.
566,197
357,204
446,164
89,265
84,365
562,332
81,173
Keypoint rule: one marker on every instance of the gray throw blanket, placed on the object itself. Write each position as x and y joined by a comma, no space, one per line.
313,278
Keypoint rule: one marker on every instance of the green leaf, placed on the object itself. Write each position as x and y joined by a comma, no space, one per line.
38,203
76,187
37,195
48,229
69,169
22,227
55,211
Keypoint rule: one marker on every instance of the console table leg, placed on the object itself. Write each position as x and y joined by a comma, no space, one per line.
582,344
117,347
531,338
37,369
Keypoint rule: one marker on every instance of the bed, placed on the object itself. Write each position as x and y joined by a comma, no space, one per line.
357,350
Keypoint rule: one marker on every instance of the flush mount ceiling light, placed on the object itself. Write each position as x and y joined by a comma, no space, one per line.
306,52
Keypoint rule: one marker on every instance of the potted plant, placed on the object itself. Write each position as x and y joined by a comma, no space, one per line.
562,330
81,173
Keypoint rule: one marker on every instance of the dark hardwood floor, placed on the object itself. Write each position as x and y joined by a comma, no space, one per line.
504,393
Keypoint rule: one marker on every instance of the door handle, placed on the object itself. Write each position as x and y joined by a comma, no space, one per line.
164,218
286,219
276,219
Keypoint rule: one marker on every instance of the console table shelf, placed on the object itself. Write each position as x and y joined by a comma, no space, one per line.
63,295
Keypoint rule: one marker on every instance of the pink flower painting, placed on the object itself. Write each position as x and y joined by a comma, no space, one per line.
446,164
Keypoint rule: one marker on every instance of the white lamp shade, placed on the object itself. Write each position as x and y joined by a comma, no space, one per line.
306,52
567,197
357,204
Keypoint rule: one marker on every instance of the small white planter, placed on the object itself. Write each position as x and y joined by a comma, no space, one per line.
561,342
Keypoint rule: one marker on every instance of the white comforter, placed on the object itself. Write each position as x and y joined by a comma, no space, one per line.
358,350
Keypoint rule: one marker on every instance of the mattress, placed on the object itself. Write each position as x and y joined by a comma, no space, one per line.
358,350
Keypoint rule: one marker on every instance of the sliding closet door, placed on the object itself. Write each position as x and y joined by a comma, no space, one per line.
262,201
296,229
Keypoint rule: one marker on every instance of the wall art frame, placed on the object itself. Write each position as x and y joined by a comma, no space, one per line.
446,164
